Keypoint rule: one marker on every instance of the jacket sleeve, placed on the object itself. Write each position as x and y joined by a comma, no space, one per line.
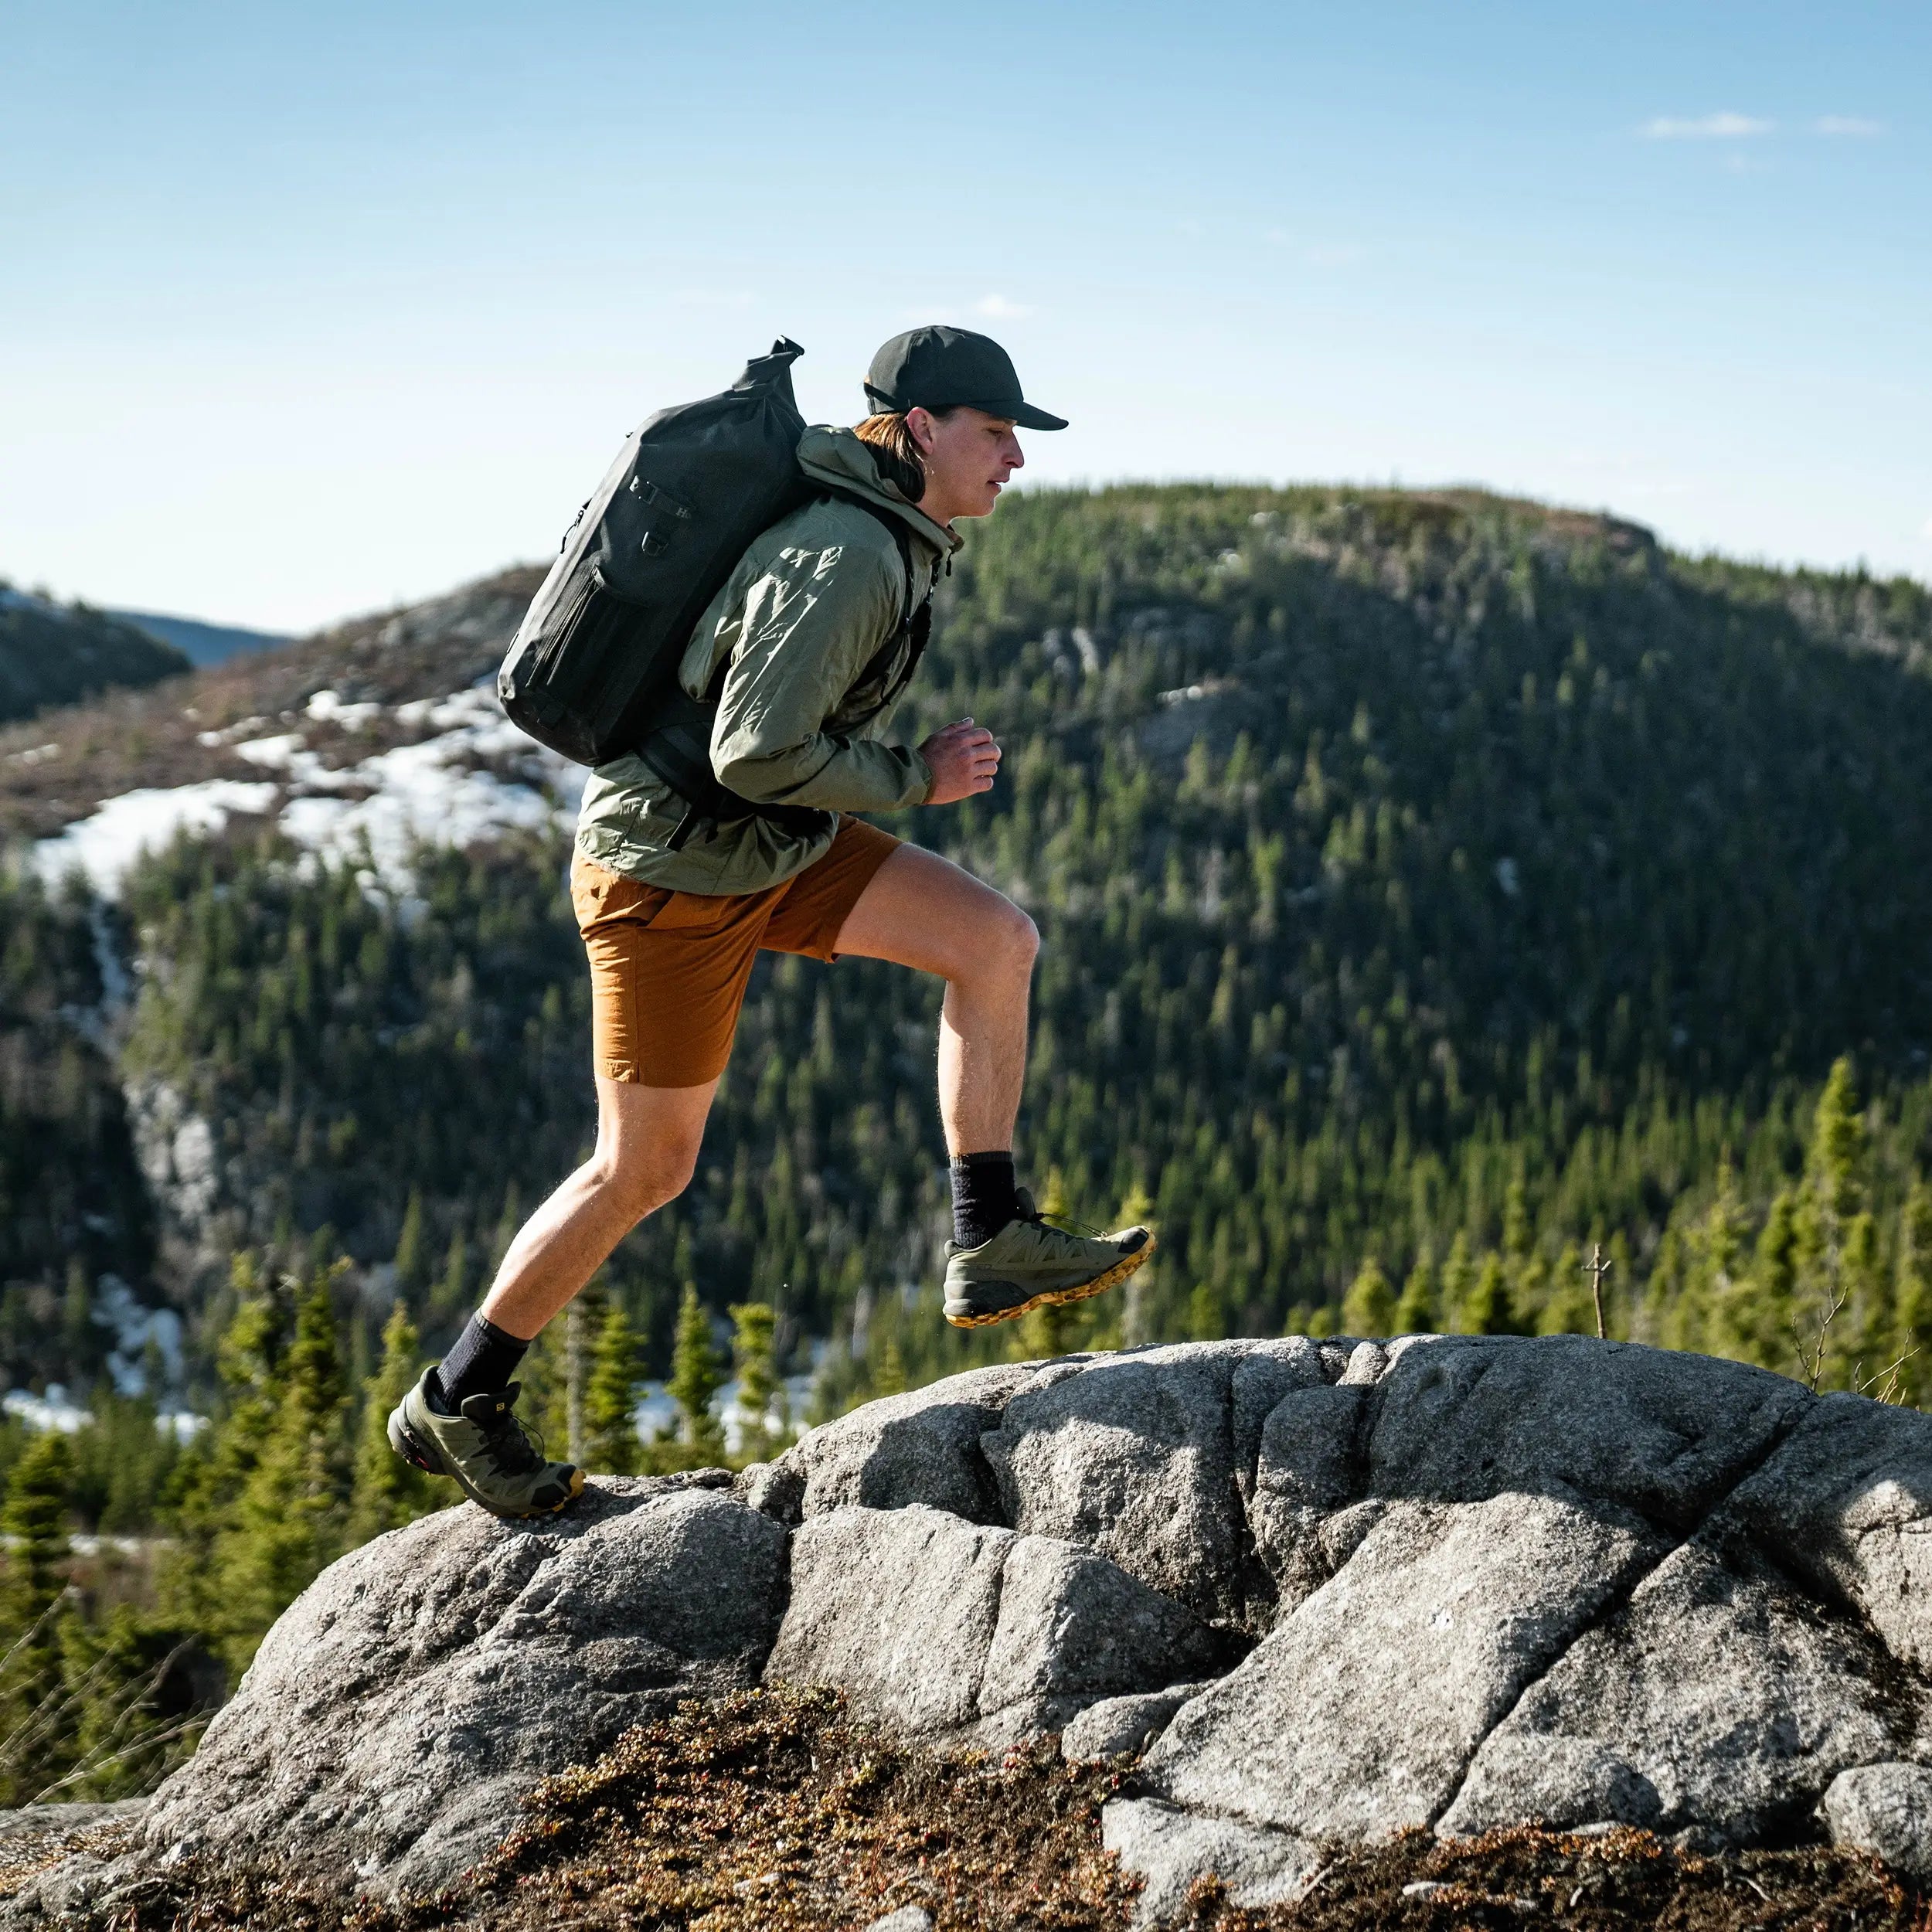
805,631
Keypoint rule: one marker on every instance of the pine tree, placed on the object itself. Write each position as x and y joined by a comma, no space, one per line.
34,1518
1369,1309
1829,1209
1570,1308
889,1378
388,1491
1137,1303
759,1391
218,1463
452,1292
697,1376
1458,1282
1912,1296
289,1520
1415,1312
412,1248
1487,1311
611,1446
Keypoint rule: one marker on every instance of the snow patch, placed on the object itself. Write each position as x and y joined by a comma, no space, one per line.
135,1328
441,790
52,1410
105,847
327,707
273,754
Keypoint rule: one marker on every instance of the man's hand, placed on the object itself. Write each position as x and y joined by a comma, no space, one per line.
964,760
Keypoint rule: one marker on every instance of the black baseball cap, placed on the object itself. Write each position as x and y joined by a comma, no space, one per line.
938,368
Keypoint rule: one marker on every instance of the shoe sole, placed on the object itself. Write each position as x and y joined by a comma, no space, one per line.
424,1455
1058,1297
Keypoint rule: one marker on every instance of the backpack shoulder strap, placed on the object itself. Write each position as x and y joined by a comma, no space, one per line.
901,537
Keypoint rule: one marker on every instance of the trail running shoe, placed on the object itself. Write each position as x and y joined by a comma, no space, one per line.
491,1455
1029,1264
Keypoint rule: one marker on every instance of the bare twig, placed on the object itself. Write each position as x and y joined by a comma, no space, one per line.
1812,1361
1883,1385
1596,1268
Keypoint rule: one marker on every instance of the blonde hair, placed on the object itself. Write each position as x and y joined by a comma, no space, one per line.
891,440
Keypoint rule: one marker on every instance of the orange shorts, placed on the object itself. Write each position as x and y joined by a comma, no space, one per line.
669,970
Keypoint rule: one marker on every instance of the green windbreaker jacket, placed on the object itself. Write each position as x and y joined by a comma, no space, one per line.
811,601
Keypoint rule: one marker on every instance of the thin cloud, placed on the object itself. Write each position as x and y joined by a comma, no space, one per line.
1726,126
1926,533
1853,124
999,309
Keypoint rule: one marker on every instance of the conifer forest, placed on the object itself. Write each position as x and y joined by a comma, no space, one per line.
1458,915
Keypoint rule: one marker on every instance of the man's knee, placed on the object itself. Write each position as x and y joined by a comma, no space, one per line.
642,1181
1018,938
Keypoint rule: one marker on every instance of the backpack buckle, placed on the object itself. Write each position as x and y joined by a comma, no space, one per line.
649,493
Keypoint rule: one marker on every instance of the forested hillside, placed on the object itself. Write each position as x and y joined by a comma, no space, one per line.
54,655
1434,888
1410,868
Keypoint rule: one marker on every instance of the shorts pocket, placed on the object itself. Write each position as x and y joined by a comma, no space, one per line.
600,897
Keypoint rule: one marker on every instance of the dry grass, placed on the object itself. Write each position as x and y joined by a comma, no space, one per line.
775,1812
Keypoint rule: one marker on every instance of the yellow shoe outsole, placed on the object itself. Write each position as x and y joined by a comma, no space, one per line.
1058,1297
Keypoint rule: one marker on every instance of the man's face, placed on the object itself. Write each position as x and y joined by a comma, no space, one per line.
969,455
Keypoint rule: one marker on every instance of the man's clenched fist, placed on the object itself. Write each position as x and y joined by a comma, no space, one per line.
964,759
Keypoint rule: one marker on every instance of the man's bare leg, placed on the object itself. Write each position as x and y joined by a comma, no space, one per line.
924,911
647,1148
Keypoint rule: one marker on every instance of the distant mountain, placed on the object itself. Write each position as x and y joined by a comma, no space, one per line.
205,644
53,654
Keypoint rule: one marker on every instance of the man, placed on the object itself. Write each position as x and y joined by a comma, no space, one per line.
807,648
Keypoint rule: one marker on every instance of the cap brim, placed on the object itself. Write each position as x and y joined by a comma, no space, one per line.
1027,417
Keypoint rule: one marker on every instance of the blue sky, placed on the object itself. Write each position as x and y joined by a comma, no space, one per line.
307,310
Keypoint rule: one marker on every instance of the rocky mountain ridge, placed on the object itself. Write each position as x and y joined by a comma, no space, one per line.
1338,1590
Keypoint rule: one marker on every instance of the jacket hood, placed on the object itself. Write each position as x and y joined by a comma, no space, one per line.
837,457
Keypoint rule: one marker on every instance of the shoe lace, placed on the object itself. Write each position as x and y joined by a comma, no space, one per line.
1060,1223
513,1446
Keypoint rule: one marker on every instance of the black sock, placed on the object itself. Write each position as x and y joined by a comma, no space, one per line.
983,1201
480,1362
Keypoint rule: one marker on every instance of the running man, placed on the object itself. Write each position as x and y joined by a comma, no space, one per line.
814,638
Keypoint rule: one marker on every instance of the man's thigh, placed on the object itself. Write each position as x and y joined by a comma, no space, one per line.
924,911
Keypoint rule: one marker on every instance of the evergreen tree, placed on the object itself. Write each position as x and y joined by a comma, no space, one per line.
1488,1311
387,1491
1415,1312
34,1516
451,1294
125,1714
890,1378
1912,1297
1458,1282
288,1521
34,1519
412,1249
218,1462
763,1423
610,1397
1369,1309
1571,1309
1827,1225
1137,1300
696,1377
